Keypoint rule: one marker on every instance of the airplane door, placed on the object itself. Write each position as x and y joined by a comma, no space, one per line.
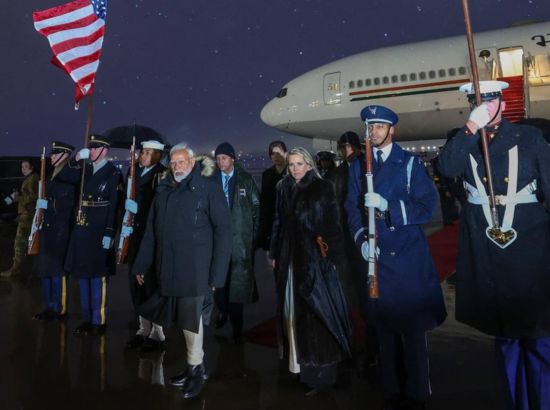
486,63
332,92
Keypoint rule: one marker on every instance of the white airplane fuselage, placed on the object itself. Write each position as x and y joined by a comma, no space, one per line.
419,81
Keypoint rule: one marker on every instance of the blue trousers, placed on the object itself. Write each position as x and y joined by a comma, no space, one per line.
54,293
524,365
93,299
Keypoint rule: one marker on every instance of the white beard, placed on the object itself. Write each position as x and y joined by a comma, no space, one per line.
180,176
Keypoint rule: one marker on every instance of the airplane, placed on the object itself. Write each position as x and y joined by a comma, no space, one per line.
420,82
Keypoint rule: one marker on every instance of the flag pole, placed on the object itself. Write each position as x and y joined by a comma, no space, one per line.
484,144
81,216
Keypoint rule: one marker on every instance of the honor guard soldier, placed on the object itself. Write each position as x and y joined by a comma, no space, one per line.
410,298
243,199
149,336
54,233
503,282
26,199
91,256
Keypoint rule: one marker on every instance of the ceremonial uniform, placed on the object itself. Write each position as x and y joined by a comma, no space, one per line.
54,236
91,256
411,300
503,289
149,335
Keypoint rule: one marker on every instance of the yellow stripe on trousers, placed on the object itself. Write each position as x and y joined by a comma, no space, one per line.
103,299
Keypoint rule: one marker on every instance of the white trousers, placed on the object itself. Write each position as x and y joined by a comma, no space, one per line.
150,329
193,341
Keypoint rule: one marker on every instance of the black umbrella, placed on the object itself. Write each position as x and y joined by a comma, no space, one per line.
121,137
324,295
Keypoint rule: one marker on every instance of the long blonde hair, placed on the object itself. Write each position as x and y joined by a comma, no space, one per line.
308,159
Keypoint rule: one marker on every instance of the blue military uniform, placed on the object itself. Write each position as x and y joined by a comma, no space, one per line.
504,290
54,237
411,301
90,257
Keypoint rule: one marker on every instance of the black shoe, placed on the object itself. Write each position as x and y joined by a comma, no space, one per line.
46,315
135,342
83,329
194,382
152,345
98,330
179,379
221,320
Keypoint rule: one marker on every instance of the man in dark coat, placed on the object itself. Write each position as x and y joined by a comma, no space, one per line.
411,300
243,200
503,284
54,234
449,209
188,239
270,178
149,336
91,256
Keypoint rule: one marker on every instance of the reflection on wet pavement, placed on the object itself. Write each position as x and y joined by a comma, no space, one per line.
44,366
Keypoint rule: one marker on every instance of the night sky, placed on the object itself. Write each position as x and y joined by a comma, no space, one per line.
201,70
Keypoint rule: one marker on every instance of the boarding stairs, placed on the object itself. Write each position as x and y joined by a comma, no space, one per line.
514,96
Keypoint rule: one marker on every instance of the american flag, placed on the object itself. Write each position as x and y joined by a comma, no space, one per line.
75,32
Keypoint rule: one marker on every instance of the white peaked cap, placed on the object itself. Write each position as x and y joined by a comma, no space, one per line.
485,87
153,145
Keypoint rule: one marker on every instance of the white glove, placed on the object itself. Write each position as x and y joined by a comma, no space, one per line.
84,153
126,231
107,242
365,251
131,206
480,116
376,201
41,204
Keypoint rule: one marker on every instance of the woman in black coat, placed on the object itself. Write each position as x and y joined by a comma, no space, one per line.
314,335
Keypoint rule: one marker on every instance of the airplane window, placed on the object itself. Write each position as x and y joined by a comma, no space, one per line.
385,80
368,82
422,75
403,78
413,76
352,84
359,83
462,70
442,73
432,74
282,93
452,72
377,81
394,79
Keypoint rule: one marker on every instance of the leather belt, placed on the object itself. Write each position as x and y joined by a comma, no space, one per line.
95,204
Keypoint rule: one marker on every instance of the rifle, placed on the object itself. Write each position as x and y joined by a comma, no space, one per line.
128,221
34,238
372,262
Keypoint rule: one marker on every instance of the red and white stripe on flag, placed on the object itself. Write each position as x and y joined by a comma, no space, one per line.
75,32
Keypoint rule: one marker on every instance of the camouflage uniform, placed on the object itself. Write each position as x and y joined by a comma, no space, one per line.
25,209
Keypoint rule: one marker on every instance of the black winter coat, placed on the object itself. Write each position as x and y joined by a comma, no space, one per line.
57,224
304,211
270,178
188,235
504,292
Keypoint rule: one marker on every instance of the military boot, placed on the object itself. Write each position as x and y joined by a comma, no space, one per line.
179,379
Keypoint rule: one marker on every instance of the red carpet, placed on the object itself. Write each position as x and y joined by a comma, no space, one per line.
444,246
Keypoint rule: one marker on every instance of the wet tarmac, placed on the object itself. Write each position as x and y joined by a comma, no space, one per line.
43,366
